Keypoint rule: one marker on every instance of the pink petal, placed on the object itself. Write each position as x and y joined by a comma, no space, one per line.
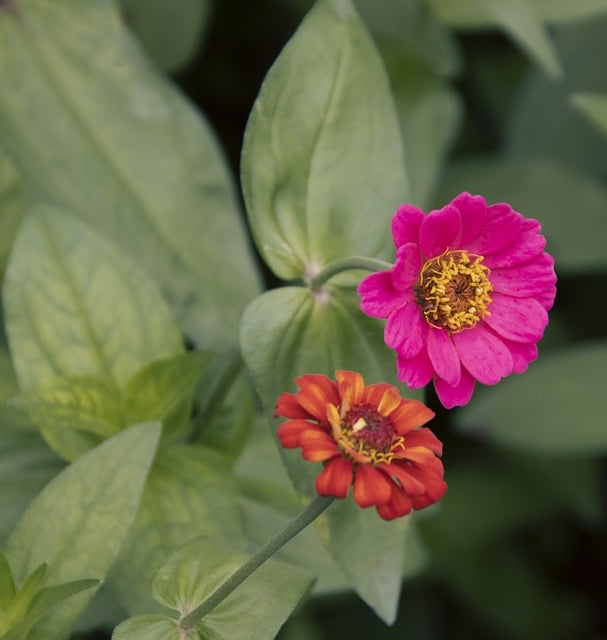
483,354
404,330
452,396
473,211
443,355
407,267
518,319
526,246
405,224
502,227
415,372
535,278
522,354
439,231
379,298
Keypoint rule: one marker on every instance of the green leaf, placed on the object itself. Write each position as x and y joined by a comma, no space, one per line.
557,406
519,18
565,10
190,492
12,202
163,391
594,106
561,132
87,511
65,287
26,466
7,586
127,154
26,592
151,628
322,154
291,331
547,191
49,597
169,31
254,611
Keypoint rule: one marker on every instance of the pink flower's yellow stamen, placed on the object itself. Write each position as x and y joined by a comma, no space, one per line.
453,290
366,436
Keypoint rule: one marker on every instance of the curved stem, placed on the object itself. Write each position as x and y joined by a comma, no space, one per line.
312,511
346,264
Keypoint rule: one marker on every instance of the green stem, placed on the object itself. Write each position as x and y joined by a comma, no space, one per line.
311,512
346,264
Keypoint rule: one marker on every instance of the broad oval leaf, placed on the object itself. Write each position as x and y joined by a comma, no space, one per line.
87,511
557,406
291,331
322,164
152,627
127,154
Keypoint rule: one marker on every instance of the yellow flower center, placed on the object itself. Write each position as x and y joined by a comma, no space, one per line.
367,436
453,290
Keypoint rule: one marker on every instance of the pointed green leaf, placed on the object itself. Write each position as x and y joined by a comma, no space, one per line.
169,31
127,154
322,155
190,492
87,511
7,586
557,406
83,403
26,592
519,18
49,597
65,289
26,466
288,332
547,191
152,628
12,203
163,390
594,105
254,611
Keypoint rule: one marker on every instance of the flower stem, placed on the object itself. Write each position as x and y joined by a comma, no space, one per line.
346,264
300,522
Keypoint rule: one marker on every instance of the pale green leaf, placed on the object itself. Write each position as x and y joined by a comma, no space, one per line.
322,167
169,31
87,511
547,191
49,597
557,406
26,592
519,18
12,202
594,106
565,10
151,628
291,331
254,611
126,153
190,492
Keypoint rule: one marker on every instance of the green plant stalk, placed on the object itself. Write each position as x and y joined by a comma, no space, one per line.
347,264
300,522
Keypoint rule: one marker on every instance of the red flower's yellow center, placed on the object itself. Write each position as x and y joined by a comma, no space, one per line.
367,436
453,290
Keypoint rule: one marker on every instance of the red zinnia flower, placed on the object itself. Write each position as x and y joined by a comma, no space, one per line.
369,437
467,298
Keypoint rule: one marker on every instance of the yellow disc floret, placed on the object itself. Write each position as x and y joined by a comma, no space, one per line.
453,290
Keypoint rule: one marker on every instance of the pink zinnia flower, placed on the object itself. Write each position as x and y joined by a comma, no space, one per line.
467,298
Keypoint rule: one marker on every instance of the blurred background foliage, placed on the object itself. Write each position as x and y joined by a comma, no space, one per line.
499,97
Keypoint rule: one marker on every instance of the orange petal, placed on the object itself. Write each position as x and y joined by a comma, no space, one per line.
424,438
409,482
410,415
371,486
399,505
288,406
316,392
375,392
351,386
289,432
317,446
335,479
